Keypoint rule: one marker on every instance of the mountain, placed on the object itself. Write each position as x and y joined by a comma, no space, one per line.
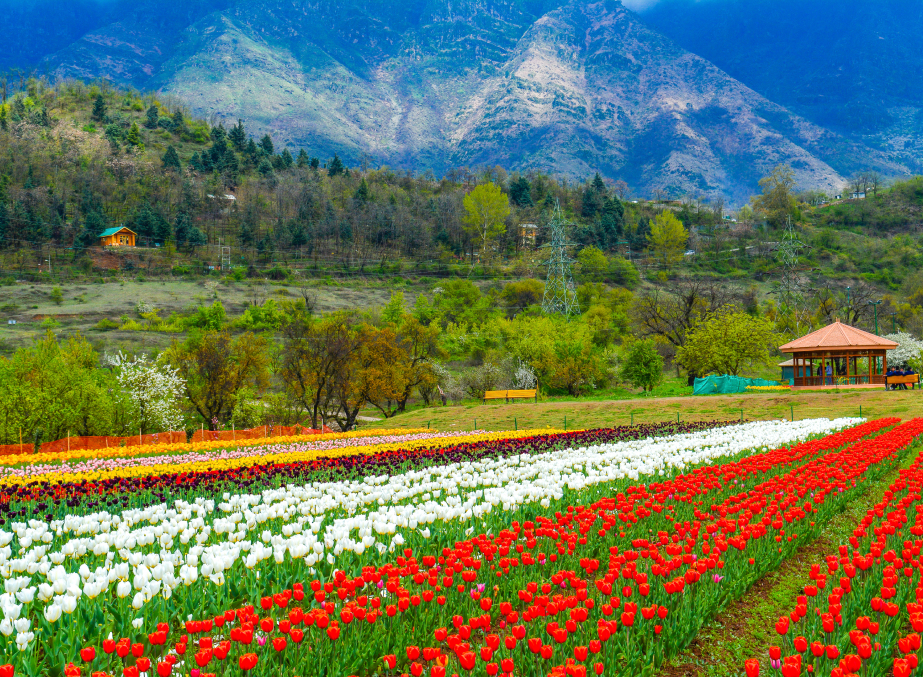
569,87
850,66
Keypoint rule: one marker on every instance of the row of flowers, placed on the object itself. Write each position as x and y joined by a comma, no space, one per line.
229,458
861,610
185,481
315,440
309,531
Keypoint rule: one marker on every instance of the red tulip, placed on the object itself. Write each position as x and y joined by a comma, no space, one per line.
247,661
390,661
164,669
333,632
143,664
87,654
752,666
467,660
279,643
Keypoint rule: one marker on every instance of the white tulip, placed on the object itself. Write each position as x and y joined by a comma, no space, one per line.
52,613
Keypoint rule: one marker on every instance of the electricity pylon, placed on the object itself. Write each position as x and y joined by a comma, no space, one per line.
560,294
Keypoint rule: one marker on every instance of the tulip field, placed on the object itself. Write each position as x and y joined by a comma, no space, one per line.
394,553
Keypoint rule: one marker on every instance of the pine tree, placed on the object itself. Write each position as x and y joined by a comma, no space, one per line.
248,227
170,160
133,138
302,159
251,150
44,119
266,145
315,163
265,168
195,163
336,166
181,227
178,121
362,194
287,159
238,136
99,108
4,123
153,116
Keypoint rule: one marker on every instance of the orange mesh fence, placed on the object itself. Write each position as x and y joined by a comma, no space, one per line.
171,437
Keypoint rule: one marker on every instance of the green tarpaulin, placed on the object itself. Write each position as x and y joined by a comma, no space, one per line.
727,384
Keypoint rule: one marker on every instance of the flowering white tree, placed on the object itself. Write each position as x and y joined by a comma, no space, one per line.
908,348
152,391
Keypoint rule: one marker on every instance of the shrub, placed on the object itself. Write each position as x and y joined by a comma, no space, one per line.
106,324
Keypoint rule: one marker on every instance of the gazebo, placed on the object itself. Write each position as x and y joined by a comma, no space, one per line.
857,358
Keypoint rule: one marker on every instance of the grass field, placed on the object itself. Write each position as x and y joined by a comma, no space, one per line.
596,414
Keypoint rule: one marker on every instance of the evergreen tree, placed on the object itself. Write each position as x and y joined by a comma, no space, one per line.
30,180
181,228
178,121
19,109
521,192
94,224
315,163
133,138
219,134
266,145
238,136
248,227
252,150
195,238
362,194
302,159
287,159
4,225
43,119
594,196
170,160
299,235
4,122
336,166
195,163
99,108
265,168
153,117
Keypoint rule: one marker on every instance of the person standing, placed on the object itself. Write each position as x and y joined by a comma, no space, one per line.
829,374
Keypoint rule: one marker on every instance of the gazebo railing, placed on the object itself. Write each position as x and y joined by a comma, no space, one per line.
842,380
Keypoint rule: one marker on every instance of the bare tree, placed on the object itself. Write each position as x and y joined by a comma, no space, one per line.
669,313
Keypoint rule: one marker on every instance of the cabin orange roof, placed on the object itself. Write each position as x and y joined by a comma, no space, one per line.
838,335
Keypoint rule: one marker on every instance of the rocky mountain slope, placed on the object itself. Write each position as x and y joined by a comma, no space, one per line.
847,65
571,87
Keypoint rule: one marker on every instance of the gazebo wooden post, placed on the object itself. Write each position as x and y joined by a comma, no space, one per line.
847,369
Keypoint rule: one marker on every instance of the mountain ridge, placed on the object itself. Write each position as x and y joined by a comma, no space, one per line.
433,84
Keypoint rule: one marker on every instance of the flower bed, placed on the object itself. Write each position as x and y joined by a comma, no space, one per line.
414,565
862,610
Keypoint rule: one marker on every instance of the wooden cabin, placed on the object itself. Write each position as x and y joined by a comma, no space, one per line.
117,237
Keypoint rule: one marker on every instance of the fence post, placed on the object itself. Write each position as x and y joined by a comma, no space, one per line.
68,441
792,407
860,414
741,414
565,422
20,440
515,424
677,417
632,418
475,424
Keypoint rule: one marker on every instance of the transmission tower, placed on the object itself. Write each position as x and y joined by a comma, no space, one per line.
560,294
790,288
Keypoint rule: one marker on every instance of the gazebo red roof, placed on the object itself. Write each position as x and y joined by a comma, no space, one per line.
838,336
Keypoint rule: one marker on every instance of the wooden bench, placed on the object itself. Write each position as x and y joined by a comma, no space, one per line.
910,380
508,395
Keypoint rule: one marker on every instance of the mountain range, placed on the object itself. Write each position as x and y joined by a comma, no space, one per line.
701,97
